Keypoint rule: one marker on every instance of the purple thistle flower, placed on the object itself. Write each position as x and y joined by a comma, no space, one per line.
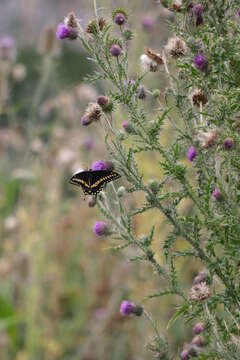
198,10
185,355
147,22
198,341
115,50
125,124
100,228
62,32
200,62
86,120
119,19
127,307
198,328
239,12
102,101
217,194
99,165
191,153
228,143
89,144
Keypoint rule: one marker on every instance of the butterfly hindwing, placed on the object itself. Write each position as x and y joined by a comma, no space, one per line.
92,182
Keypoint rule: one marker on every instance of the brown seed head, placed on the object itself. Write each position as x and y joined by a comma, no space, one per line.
199,97
176,47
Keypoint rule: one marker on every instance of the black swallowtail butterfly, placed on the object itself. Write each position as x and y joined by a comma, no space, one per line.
93,181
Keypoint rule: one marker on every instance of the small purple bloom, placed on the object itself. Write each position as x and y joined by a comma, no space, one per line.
191,153
228,143
62,32
119,19
100,228
132,82
127,307
89,143
200,62
98,165
86,120
198,328
217,194
185,355
115,50
239,12
147,22
198,341
102,101
125,124
197,10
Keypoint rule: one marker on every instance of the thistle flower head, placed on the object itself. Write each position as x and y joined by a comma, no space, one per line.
197,10
191,153
184,355
198,328
199,97
200,292
176,47
105,103
228,143
148,22
86,120
239,12
200,62
177,5
99,165
93,27
202,276
119,16
128,308
93,112
198,341
217,194
100,228
115,50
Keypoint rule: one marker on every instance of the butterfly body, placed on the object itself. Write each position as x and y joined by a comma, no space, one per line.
93,181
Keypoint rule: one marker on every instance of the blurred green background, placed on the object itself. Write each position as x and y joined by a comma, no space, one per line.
61,288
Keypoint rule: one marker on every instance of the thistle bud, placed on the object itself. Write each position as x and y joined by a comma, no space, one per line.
200,62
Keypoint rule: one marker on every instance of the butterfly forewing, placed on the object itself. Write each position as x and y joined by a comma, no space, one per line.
92,182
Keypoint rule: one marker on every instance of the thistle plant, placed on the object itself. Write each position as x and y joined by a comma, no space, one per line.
201,106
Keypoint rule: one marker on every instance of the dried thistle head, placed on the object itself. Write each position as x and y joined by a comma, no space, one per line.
199,97
200,292
71,20
92,27
177,5
176,47
93,111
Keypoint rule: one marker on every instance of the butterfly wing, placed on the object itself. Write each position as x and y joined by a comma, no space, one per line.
92,182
